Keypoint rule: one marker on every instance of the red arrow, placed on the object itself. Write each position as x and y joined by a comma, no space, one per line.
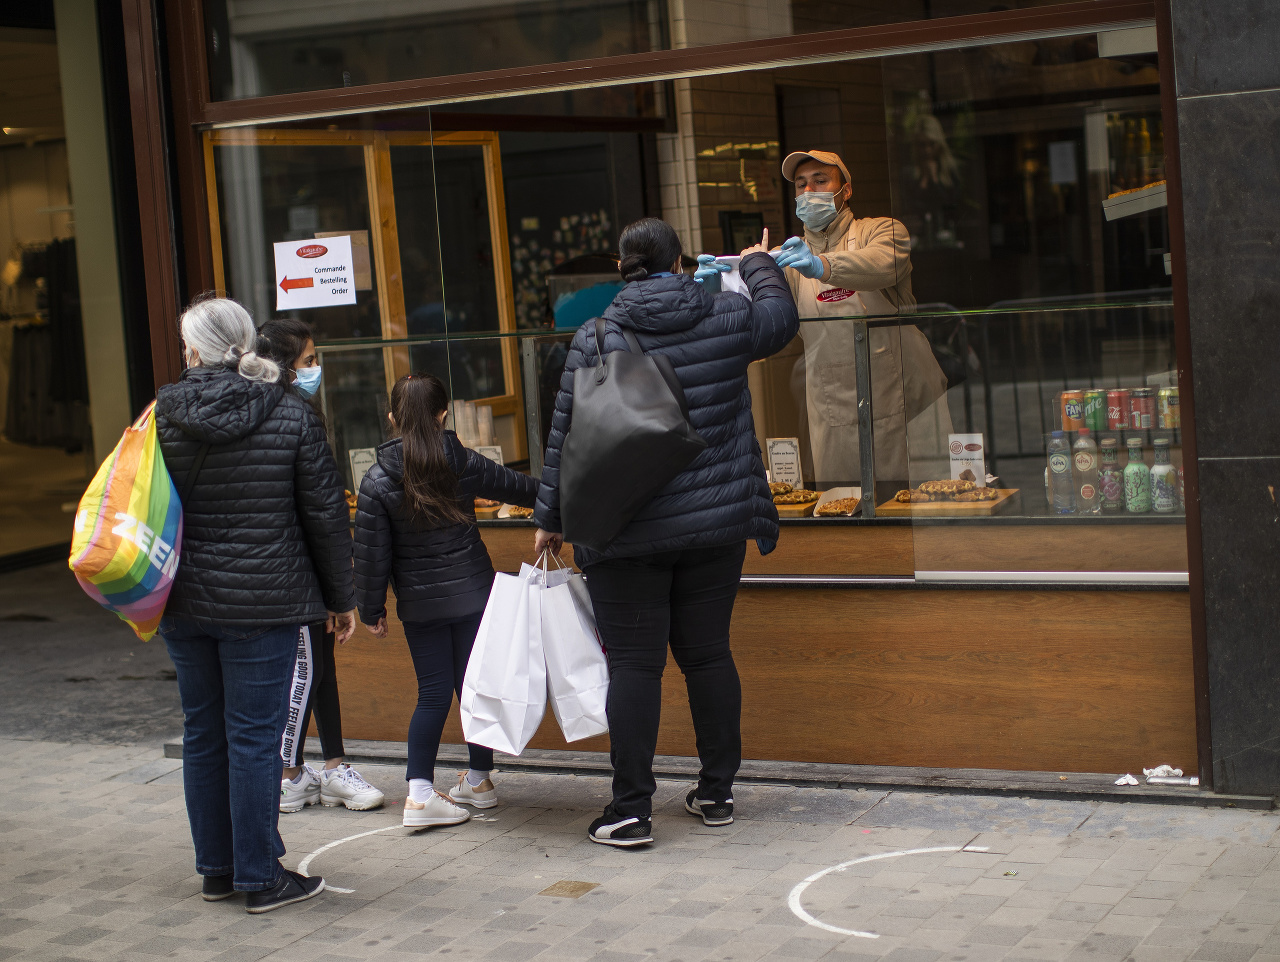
287,285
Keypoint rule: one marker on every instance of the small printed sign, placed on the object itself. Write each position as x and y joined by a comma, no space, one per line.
314,273
362,459
784,461
491,451
967,454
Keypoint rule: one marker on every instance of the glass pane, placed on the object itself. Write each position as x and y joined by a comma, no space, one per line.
255,52
446,257
353,396
272,193
1002,159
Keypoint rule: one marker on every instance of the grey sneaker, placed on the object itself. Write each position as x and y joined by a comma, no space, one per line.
297,795
346,786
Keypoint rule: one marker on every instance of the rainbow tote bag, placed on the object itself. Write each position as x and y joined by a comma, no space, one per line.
128,530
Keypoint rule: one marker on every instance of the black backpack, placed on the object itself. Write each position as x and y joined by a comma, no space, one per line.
628,437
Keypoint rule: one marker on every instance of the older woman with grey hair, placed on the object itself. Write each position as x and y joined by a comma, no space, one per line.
266,548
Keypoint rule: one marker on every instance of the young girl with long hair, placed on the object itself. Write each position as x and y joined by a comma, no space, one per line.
291,344
416,529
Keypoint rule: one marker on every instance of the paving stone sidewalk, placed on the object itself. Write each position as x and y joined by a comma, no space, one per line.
96,863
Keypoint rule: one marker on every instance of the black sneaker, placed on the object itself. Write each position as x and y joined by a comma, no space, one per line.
217,887
712,813
291,888
624,831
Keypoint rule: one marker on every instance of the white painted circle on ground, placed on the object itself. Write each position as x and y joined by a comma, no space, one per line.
793,900
306,862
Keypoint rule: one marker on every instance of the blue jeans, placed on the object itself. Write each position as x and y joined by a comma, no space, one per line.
234,685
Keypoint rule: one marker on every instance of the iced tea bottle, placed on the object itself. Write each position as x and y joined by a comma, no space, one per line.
1137,480
1110,478
1164,480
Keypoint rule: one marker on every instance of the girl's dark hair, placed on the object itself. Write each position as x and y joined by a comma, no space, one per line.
649,246
282,339
430,486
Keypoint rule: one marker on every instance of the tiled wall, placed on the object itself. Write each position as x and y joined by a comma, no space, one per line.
1228,87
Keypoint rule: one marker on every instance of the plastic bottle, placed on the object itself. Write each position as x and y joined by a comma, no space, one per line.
1164,480
1137,480
1085,457
1061,484
1110,479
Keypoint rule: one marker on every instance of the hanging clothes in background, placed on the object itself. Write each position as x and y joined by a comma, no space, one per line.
48,378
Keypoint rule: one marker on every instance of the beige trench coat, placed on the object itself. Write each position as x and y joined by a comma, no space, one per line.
870,275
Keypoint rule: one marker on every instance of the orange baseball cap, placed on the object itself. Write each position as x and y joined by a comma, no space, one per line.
794,160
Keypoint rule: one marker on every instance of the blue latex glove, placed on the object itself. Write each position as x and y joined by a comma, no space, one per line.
708,266
796,253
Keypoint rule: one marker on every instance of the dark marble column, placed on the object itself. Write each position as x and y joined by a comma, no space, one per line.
1228,89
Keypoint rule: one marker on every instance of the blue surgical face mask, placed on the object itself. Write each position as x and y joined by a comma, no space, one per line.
816,208
308,380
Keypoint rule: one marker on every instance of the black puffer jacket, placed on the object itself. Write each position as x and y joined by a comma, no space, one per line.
266,537
723,495
437,573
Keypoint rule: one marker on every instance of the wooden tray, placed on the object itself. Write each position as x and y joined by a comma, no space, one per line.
796,510
1009,497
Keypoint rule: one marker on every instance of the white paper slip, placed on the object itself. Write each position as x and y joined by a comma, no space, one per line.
732,281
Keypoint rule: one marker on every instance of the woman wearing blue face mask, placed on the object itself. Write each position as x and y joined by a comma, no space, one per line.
290,344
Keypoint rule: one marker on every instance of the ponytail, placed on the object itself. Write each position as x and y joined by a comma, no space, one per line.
430,486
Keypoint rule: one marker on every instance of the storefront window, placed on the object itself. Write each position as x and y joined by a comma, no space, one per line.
257,49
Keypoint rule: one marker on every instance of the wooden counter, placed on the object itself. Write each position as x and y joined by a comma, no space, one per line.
1089,681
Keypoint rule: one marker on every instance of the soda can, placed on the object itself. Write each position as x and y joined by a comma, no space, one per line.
1142,408
1095,410
1169,408
1072,410
1118,409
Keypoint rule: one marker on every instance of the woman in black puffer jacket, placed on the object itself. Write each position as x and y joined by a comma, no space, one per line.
265,549
416,530
671,575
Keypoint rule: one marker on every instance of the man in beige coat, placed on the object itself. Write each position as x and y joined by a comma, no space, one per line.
843,268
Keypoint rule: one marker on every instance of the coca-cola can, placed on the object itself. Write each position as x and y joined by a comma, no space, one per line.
1118,409
1142,408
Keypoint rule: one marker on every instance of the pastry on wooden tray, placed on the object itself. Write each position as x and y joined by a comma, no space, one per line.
486,503
515,511
801,496
908,496
978,494
840,506
948,489
780,487
351,499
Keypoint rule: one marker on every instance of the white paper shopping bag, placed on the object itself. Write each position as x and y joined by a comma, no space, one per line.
577,669
504,692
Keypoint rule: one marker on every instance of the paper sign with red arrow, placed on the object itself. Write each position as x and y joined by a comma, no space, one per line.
312,274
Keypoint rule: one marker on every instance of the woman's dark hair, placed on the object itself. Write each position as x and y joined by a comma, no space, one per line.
649,246
430,486
282,339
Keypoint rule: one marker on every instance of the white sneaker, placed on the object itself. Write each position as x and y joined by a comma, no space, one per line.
437,810
477,796
295,796
346,786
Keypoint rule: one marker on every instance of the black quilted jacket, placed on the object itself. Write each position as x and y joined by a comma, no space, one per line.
266,537
723,496
437,573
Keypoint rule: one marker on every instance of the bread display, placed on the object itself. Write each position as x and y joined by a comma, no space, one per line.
947,489
780,487
801,496
908,496
978,494
517,512
840,506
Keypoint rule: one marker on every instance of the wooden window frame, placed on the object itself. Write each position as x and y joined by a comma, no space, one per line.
384,240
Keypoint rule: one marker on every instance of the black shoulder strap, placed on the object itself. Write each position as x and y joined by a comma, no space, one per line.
196,465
